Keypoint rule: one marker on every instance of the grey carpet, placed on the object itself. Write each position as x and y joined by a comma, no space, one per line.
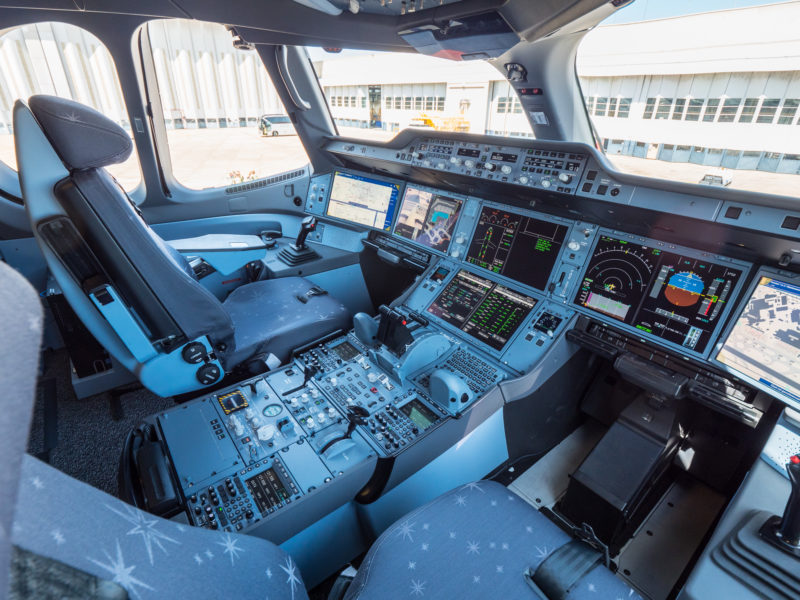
89,441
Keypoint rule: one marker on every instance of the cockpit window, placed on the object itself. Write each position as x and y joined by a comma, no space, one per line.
225,123
698,92
374,95
67,61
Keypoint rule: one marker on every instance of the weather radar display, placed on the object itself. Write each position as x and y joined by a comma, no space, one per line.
675,297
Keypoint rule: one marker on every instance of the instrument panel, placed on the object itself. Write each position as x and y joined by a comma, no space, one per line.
677,295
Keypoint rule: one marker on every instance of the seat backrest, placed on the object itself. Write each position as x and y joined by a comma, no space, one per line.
21,326
151,277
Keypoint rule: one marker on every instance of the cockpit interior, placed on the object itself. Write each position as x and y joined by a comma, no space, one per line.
383,299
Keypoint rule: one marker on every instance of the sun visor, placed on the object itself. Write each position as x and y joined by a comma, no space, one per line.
477,37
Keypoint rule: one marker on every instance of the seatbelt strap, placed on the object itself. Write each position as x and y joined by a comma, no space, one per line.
314,291
555,577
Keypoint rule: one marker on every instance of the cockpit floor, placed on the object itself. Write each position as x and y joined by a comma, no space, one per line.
89,440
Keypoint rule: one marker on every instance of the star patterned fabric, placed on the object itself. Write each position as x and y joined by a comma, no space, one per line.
152,558
473,542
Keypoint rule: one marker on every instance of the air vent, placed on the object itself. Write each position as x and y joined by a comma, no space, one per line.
791,223
260,183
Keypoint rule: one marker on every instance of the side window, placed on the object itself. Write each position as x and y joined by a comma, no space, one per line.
225,123
701,105
60,60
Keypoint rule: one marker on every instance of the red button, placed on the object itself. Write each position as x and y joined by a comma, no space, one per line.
795,459
374,390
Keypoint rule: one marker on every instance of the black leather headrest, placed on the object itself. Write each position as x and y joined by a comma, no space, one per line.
81,136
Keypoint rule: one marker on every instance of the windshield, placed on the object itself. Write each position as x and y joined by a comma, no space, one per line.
374,95
673,88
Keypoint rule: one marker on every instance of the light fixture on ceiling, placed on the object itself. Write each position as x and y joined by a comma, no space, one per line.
324,6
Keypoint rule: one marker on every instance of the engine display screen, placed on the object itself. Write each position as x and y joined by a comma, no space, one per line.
428,217
267,490
675,297
420,415
489,312
522,248
764,344
363,200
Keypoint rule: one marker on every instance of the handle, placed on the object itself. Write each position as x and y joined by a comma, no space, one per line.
282,56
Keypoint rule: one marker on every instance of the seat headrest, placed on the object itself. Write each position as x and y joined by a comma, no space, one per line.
81,136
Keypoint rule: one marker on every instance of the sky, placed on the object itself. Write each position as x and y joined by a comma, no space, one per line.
639,10
646,10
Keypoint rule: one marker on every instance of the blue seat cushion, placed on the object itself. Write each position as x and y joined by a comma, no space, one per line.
66,520
268,318
473,542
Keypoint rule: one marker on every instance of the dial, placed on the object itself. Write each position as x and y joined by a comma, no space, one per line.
272,410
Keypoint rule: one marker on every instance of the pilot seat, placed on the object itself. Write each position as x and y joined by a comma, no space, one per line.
136,294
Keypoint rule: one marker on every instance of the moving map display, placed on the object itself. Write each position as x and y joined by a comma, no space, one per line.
675,297
363,200
764,343
428,217
487,311
522,248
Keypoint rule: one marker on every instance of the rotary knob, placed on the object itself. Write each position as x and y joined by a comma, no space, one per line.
266,433
489,166
545,183
455,160
426,163
506,169
469,163
524,179
440,165
564,177
574,246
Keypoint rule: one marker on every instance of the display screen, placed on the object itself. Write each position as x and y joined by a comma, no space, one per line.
675,297
346,351
428,218
501,157
267,490
522,248
487,311
764,343
421,415
363,200
440,274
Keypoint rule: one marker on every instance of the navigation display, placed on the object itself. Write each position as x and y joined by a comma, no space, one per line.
428,217
522,248
487,311
363,200
675,297
764,343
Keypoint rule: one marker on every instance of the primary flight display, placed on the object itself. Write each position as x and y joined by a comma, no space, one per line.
522,248
672,296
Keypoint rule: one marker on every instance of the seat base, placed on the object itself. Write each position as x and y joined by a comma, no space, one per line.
476,541
276,315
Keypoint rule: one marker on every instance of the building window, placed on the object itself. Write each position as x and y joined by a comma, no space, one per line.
388,102
502,105
664,104
353,101
680,104
748,110
624,108
649,108
600,107
428,102
440,103
589,104
694,108
768,109
711,110
612,107
398,102
729,108
418,103
407,103
363,102
788,111
347,101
